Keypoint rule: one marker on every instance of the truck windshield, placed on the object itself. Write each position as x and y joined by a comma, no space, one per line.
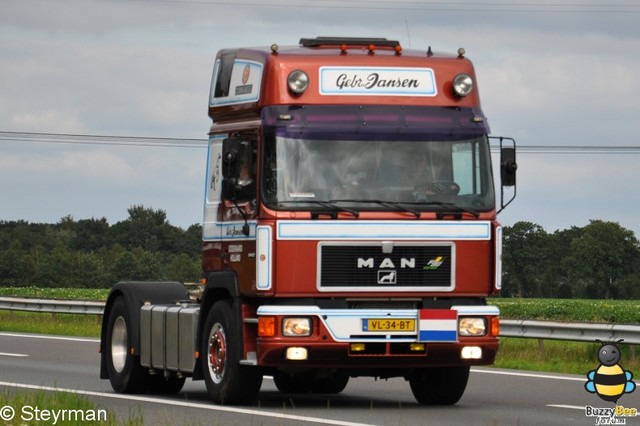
384,158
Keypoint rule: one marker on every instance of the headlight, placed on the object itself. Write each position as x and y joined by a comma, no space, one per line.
462,85
298,81
296,327
472,327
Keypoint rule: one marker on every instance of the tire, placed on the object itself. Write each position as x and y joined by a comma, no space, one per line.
439,386
228,382
332,383
125,372
161,385
292,383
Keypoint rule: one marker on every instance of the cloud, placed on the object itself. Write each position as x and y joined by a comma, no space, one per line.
548,75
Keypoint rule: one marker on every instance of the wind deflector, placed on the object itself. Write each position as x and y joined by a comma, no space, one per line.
382,121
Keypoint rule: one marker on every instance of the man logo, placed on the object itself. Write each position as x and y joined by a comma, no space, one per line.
409,263
386,277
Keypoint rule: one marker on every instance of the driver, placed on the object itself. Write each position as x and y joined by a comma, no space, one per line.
404,170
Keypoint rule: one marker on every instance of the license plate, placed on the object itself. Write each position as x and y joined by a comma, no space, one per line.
386,324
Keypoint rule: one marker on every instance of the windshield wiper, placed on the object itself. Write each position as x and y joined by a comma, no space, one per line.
325,204
401,207
392,204
455,207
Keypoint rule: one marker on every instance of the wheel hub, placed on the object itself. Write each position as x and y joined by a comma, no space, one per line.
119,344
217,353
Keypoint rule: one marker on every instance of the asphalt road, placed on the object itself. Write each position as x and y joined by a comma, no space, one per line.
493,397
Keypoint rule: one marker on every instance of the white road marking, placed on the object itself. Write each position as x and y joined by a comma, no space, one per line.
13,355
571,407
52,337
532,375
252,412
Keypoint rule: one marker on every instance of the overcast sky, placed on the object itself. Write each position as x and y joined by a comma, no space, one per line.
551,73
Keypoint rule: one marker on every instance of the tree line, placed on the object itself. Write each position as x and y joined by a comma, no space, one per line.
598,261
94,254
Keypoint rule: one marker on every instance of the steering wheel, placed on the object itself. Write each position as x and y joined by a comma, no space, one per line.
444,187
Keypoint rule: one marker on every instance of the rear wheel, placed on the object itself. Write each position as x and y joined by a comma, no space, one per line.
125,372
439,386
227,381
161,385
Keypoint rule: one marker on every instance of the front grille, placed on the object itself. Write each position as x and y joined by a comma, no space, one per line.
401,266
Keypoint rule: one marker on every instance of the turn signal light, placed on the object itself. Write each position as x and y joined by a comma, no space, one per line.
266,326
495,326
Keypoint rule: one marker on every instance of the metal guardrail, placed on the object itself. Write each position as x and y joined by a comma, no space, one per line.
52,306
554,330
574,331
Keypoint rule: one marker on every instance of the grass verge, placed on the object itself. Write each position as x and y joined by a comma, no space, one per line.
557,356
58,324
59,408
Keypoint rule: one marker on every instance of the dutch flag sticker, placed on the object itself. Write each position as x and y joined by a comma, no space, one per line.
438,325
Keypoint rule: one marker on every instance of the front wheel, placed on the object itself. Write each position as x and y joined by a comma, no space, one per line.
439,385
125,372
311,382
227,381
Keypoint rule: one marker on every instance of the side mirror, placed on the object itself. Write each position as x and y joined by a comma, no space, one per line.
508,166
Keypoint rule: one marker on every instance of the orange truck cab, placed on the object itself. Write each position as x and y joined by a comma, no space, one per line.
349,228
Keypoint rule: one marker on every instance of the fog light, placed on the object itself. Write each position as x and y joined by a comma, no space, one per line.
462,85
357,347
296,354
298,81
296,327
471,352
472,326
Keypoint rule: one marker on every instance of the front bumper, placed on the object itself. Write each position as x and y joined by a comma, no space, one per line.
357,338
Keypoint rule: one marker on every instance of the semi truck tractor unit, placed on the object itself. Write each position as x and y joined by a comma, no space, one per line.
349,231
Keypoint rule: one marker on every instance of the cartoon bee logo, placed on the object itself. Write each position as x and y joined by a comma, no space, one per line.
609,381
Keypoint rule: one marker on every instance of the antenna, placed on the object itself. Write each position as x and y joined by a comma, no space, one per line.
406,25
